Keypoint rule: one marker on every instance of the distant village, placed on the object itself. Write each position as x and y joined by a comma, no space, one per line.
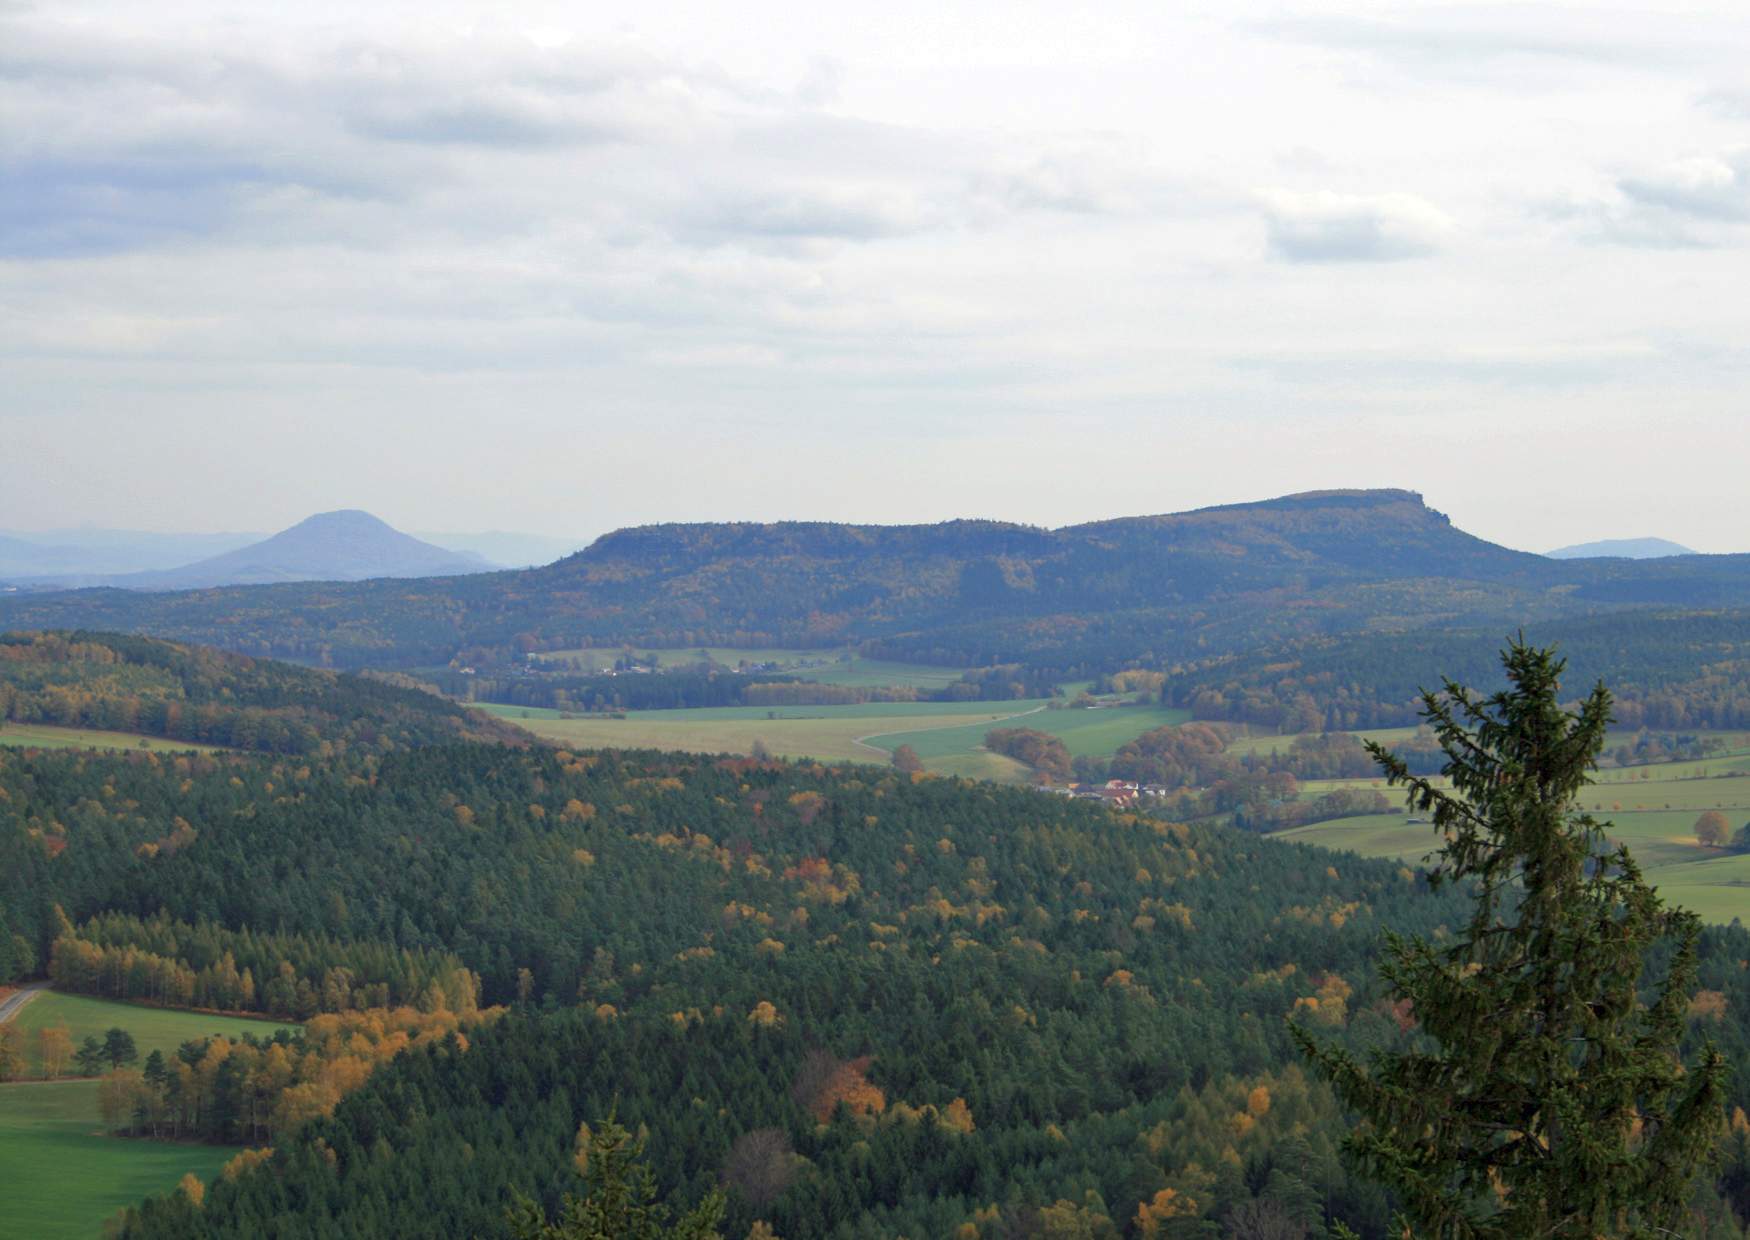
1118,793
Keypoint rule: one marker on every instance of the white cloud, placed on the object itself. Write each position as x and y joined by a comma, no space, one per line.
1327,227
560,263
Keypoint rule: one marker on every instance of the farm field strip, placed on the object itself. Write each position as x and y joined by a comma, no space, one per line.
949,736
1096,732
869,711
52,736
806,734
826,666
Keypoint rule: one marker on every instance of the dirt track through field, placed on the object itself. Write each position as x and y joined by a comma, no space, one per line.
14,1004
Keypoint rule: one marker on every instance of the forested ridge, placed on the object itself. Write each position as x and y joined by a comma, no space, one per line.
1085,598
1667,670
867,1003
186,693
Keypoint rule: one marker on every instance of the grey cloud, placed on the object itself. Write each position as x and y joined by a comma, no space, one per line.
1707,188
1699,202
1327,227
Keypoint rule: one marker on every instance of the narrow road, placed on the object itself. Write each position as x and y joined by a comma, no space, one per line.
14,1005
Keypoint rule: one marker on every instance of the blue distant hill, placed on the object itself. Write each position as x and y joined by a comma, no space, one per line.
1622,548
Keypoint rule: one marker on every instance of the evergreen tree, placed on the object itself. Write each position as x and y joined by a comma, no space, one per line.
621,1203
89,1058
1544,1096
119,1048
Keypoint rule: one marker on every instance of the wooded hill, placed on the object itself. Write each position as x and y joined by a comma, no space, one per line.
1669,670
183,693
969,593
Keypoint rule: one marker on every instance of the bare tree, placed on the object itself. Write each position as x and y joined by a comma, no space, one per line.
761,1164
1263,1219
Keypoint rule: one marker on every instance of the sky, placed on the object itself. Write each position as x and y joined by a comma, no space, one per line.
568,267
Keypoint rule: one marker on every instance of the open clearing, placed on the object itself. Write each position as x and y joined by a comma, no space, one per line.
48,736
154,1029
63,1176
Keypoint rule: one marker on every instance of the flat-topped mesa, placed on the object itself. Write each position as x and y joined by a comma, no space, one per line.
817,539
735,539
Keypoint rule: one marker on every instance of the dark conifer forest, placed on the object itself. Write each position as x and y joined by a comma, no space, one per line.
862,1002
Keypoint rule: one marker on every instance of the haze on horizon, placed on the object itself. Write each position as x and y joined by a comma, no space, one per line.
476,267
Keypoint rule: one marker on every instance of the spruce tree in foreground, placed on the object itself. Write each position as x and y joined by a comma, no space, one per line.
1543,1097
621,1203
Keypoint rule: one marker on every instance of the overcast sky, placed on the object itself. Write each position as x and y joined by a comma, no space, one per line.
563,267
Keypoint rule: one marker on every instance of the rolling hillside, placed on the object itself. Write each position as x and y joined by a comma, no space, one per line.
961,592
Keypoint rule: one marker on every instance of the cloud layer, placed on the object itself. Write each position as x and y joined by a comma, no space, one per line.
568,273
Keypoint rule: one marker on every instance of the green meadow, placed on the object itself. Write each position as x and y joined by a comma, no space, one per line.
1090,732
831,667
949,736
822,733
63,1176
154,1029
1652,809
48,736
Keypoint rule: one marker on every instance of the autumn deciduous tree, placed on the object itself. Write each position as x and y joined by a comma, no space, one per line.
118,1094
54,1047
1153,1215
11,1052
1712,829
1545,1098
906,760
825,1081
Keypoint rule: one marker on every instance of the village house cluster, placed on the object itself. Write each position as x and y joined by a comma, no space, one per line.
1115,792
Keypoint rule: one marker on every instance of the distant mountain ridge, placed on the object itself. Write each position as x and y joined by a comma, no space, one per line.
83,556
1625,548
1156,589
345,545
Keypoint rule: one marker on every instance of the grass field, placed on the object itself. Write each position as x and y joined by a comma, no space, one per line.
154,1029
829,733
47,736
829,667
1655,816
62,1176
949,736
1085,733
